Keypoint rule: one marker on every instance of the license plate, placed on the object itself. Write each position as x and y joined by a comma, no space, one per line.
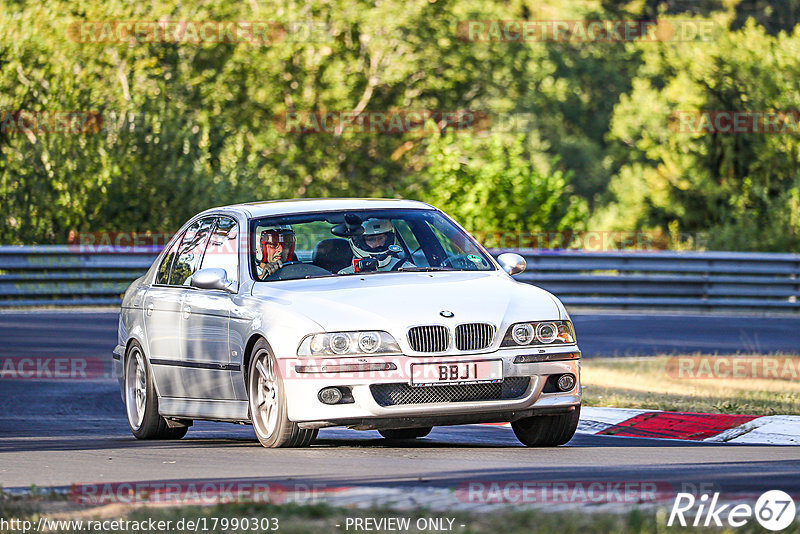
432,374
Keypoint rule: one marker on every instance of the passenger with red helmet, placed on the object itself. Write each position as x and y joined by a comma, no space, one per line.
277,247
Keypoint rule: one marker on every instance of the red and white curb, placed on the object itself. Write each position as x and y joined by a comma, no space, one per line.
720,428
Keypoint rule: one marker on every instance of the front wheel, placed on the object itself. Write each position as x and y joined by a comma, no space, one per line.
141,401
547,430
405,433
267,398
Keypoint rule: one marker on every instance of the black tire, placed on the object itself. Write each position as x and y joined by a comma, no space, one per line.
547,430
267,399
405,433
140,396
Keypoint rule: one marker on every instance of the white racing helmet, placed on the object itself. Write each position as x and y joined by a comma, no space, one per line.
364,245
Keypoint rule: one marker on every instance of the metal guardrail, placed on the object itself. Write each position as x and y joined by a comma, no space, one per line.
60,275
688,280
63,275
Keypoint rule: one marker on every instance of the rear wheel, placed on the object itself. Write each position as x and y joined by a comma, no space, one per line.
405,433
267,398
141,401
547,430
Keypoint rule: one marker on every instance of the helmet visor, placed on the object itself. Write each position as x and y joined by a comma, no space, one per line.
374,243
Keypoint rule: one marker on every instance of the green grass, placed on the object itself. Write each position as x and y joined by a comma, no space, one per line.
647,383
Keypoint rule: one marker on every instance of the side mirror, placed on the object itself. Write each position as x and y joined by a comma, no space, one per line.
512,263
212,278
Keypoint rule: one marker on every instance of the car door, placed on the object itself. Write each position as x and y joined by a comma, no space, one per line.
165,311
162,308
205,346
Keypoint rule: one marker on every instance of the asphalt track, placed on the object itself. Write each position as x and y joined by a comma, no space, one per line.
86,333
57,433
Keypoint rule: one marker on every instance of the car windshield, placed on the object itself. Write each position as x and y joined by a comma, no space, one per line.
343,243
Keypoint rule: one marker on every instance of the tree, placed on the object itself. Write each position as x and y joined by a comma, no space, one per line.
493,185
739,189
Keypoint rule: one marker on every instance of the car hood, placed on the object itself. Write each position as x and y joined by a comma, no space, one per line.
392,301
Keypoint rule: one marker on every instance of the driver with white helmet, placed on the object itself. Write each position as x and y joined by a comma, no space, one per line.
375,249
277,247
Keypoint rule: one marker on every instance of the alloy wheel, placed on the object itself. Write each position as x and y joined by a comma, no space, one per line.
265,395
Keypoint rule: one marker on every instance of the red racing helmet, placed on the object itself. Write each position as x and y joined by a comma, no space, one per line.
278,235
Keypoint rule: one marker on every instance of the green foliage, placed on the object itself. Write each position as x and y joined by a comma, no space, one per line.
774,16
739,189
466,176
192,125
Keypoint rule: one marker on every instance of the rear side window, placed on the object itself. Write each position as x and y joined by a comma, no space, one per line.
162,275
190,252
222,250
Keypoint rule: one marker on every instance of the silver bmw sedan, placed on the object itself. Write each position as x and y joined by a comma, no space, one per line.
371,314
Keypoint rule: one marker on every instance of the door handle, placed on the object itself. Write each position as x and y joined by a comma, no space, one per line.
187,311
150,309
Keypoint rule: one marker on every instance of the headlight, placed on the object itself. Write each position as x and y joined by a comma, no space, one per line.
522,333
348,344
339,343
539,333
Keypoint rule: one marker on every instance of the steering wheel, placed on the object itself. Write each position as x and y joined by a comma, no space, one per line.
293,270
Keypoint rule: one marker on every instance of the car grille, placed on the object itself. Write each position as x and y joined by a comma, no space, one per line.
474,336
399,394
429,338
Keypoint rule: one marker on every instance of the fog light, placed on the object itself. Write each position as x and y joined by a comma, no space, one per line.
566,382
329,395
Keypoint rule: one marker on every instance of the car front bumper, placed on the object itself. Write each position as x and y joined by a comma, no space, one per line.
431,405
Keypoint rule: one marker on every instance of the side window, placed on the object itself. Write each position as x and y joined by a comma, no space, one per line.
162,275
190,252
222,248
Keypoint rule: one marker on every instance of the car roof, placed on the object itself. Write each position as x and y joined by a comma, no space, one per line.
286,207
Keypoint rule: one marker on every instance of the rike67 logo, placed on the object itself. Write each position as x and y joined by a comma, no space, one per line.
774,510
